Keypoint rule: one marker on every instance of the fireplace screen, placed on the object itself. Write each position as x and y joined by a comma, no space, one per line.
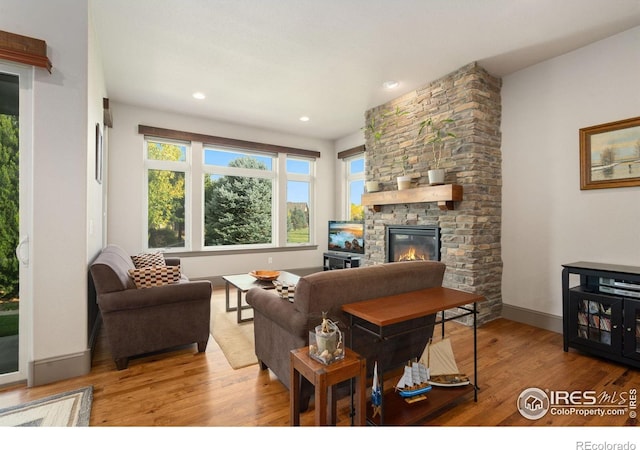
411,243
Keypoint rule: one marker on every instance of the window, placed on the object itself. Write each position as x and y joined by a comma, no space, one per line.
299,188
355,186
238,198
167,171
245,195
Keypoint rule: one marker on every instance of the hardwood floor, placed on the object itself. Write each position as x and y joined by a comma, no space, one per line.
184,388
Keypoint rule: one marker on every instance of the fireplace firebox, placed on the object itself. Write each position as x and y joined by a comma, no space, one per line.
413,242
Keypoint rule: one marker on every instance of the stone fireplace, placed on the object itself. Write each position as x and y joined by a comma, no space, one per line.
470,230
411,243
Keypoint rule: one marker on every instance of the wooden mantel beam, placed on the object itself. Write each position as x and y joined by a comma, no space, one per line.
444,195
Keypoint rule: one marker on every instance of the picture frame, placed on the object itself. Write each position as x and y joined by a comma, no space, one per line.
98,153
610,155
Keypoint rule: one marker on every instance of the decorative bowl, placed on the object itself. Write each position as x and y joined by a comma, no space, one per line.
265,275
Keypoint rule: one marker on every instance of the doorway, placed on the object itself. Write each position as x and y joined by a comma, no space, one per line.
15,153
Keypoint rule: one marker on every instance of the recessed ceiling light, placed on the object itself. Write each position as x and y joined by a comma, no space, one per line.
391,84
199,95
304,119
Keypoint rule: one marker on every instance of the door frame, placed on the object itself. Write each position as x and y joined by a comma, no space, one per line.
25,333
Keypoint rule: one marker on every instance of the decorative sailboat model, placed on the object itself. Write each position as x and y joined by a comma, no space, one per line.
441,363
414,381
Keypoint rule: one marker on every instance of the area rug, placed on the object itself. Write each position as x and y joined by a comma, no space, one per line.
235,339
69,409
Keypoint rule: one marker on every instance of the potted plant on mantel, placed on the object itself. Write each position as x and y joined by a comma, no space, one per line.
404,181
436,135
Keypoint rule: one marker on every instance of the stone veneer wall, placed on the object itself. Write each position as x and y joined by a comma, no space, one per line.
471,233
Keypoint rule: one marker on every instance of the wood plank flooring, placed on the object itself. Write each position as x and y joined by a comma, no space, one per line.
184,388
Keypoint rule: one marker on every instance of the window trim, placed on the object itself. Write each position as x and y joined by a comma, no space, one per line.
194,204
304,178
222,141
24,50
174,166
347,156
271,175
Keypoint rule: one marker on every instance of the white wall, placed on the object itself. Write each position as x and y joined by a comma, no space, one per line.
96,92
61,149
547,219
126,188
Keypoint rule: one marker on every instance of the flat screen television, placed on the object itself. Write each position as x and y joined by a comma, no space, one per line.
346,236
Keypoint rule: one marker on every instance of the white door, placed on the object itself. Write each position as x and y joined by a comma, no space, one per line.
16,87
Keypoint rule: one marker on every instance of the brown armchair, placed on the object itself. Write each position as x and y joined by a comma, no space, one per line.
139,321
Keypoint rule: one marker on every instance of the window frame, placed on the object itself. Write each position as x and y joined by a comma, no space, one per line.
174,166
194,195
298,177
347,157
211,169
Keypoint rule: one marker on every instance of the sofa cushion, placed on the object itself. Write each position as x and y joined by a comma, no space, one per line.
143,260
110,270
147,277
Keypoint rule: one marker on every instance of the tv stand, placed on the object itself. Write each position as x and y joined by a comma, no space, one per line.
334,261
601,313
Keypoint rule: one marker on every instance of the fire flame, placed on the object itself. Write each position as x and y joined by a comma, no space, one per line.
411,255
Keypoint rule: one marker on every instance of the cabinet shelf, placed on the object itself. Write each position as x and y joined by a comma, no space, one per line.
601,315
399,412
444,195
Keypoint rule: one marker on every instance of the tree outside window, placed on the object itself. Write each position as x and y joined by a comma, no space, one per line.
237,209
246,195
165,197
298,200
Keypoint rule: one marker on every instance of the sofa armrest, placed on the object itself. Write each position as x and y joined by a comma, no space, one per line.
154,296
279,310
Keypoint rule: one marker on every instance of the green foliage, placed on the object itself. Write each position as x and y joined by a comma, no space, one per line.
166,199
238,208
297,225
388,118
435,137
299,236
9,206
298,219
9,325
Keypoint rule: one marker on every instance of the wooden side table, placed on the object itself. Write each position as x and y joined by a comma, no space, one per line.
324,378
383,312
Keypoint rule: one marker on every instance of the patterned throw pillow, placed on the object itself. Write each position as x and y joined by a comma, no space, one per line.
147,277
148,260
285,290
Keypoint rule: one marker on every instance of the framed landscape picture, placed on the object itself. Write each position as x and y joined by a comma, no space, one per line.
610,155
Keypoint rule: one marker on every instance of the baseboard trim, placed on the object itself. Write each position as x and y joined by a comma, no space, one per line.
59,368
534,318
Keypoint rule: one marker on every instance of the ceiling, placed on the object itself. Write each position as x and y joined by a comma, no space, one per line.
266,63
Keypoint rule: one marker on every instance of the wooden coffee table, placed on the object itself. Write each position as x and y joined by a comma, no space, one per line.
243,282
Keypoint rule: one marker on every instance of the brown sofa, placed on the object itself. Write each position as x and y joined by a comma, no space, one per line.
139,321
280,326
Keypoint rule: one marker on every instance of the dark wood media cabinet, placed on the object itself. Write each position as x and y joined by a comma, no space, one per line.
601,312
385,312
335,261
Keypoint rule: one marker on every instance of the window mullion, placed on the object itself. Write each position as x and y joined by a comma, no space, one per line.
196,216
